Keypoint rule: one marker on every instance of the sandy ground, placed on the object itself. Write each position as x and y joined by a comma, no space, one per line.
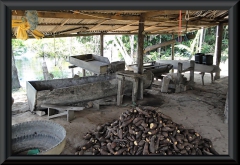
201,108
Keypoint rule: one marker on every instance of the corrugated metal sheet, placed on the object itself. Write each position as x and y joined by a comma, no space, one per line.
117,20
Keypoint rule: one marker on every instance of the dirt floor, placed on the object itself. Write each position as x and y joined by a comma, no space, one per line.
201,108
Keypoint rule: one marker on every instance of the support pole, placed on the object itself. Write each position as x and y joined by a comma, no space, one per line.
84,72
140,55
218,47
72,73
173,51
101,44
201,40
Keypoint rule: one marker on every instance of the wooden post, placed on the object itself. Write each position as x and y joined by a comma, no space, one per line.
179,72
70,115
140,55
101,44
135,91
219,47
120,91
84,72
173,51
192,65
201,40
140,45
72,73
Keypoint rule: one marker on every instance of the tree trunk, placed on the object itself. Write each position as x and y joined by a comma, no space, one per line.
15,80
46,74
121,48
132,45
201,40
149,48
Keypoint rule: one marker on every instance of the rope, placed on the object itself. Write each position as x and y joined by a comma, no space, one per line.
187,15
186,26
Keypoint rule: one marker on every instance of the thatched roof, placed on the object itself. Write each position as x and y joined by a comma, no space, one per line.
64,23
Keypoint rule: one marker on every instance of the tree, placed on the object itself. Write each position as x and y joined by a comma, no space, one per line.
15,80
18,48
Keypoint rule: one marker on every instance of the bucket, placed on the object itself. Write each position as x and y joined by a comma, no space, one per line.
207,59
198,58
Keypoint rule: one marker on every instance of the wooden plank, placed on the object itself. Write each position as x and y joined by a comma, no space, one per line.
99,24
187,69
162,12
149,48
61,107
49,14
57,115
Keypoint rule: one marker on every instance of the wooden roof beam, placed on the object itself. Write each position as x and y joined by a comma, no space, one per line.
44,14
162,12
57,27
94,27
125,26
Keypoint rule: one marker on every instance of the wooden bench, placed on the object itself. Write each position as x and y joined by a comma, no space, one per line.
64,110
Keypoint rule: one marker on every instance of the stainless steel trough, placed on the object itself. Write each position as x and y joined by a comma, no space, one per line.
94,63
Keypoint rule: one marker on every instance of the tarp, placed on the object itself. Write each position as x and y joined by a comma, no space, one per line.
22,27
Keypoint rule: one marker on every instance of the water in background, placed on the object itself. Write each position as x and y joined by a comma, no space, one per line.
30,68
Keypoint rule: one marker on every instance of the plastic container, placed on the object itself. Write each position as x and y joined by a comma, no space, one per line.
207,59
198,58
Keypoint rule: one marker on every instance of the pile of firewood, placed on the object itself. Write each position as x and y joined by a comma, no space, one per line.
143,131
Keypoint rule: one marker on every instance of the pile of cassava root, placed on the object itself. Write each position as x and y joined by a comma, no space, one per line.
143,131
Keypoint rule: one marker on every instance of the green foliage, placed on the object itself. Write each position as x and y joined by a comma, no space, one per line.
206,48
89,44
49,47
18,47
